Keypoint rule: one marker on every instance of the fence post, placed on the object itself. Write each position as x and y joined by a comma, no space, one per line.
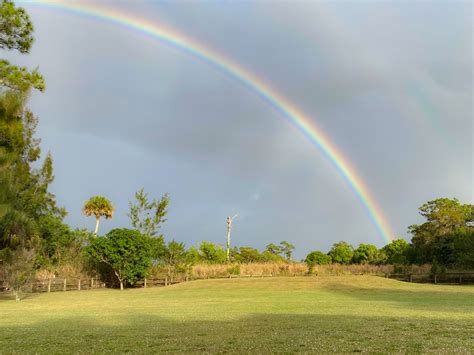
166,280
49,285
79,285
64,285
436,279
144,283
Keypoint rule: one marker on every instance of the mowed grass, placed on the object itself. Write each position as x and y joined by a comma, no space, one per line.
308,314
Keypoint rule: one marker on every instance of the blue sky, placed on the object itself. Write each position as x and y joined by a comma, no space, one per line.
389,82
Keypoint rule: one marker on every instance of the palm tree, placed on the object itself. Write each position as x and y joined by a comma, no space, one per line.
98,206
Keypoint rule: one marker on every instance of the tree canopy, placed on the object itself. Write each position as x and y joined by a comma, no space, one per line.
126,251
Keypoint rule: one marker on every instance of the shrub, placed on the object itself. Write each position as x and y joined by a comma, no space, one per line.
234,269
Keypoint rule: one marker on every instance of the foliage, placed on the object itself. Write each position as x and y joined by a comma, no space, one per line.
16,29
341,253
25,202
175,259
98,206
317,258
287,250
16,33
126,251
234,269
18,268
249,255
447,220
368,254
273,249
146,216
158,249
212,253
396,251
20,78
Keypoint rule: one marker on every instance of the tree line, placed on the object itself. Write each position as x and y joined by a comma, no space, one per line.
33,235
445,240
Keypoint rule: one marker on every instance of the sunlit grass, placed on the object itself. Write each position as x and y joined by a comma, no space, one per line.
345,313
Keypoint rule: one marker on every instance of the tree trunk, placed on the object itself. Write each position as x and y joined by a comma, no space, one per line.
121,285
227,252
97,220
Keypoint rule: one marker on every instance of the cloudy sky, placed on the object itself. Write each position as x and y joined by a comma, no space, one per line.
389,82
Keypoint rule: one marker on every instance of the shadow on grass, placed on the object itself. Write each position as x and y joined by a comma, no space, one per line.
430,300
259,333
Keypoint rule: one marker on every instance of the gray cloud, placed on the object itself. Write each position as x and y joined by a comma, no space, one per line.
390,83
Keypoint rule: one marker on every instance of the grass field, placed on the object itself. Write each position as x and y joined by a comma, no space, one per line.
345,313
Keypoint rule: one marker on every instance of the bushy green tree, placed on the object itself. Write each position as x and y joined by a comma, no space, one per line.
368,254
249,255
126,252
341,253
445,218
396,251
316,258
212,253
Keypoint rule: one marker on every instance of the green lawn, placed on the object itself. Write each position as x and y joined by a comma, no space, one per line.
340,313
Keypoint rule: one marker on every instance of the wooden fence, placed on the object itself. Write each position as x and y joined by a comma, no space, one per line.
57,284
454,278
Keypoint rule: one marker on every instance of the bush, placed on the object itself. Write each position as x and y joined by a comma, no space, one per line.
234,270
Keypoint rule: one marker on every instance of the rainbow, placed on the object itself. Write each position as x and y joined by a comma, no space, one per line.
250,81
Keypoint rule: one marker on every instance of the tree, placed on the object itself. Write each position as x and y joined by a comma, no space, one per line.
444,219
125,251
25,201
16,29
212,253
249,255
145,215
18,269
287,249
368,254
175,258
273,249
16,33
396,251
98,206
341,253
316,258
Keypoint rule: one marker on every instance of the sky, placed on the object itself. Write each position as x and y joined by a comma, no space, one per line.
390,83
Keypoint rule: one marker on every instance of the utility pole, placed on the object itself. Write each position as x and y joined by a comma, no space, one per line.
229,227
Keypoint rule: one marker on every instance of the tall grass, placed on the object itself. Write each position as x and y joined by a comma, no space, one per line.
204,271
